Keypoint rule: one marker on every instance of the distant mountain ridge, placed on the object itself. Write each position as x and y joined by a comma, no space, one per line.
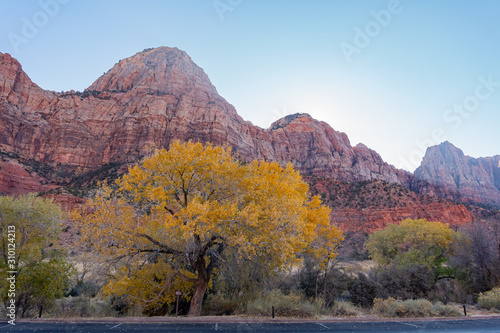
50,140
447,173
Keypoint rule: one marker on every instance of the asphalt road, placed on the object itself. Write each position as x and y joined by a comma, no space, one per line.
449,326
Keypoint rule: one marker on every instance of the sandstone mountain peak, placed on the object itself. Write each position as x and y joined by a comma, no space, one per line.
17,88
161,70
443,150
286,120
448,146
447,172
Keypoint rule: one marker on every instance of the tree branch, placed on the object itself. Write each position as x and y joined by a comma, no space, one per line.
178,272
211,242
169,210
215,258
165,248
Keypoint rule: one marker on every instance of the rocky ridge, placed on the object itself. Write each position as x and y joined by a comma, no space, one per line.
447,173
370,205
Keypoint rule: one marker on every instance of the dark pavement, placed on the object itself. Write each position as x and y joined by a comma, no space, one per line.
450,326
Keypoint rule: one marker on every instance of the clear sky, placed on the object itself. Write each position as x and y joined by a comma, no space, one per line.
395,75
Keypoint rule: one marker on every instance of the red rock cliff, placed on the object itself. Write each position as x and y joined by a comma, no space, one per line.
448,173
152,98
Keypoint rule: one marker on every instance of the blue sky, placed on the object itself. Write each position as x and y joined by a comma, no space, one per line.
395,75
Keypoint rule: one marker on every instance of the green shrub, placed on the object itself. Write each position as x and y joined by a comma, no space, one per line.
80,307
345,309
490,299
291,305
441,310
412,308
219,304
416,308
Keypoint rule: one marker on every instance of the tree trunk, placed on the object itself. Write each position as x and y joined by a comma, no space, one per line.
316,286
197,300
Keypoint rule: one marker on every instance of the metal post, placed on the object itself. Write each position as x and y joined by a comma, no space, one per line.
273,311
465,310
178,294
177,306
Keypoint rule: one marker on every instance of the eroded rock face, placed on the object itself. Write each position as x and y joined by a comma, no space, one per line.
448,173
15,179
152,98
371,219
68,202
370,205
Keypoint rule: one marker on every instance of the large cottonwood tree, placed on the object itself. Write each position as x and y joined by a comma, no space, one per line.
168,221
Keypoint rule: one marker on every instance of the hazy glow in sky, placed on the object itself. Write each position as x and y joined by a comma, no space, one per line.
395,75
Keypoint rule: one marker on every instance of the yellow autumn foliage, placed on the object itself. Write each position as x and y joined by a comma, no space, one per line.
167,222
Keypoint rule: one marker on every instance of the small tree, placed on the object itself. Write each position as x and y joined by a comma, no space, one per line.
412,281
172,217
476,256
41,274
363,291
412,242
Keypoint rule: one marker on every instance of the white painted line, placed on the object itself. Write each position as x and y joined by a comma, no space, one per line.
116,326
216,325
323,326
7,326
412,325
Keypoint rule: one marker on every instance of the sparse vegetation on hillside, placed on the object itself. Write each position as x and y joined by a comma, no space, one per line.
374,193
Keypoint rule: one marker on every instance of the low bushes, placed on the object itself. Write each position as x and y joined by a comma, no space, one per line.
345,309
292,305
221,305
81,307
285,305
413,281
490,299
411,308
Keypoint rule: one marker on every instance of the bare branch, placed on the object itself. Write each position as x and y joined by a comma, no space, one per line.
211,242
166,248
178,272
